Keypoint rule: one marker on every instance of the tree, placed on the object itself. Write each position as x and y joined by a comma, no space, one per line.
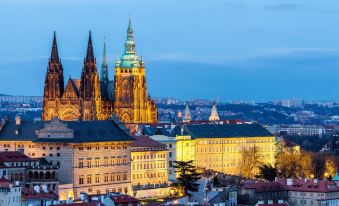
188,176
250,161
267,172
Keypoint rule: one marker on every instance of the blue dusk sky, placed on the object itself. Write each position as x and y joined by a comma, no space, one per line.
228,49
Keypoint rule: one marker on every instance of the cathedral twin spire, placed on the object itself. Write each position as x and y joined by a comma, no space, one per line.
54,53
90,53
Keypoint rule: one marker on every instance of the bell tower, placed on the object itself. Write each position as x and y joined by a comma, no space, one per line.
54,84
131,103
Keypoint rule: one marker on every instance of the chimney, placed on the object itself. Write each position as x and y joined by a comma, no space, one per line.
17,120
289,182
44,188
37,188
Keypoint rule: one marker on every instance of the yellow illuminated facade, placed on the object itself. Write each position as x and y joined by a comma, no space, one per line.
225,154
149,170
131,102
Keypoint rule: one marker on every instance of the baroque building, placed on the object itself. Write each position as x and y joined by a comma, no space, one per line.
93,98
92,157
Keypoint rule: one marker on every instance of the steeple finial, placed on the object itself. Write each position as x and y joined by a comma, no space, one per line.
129,45
54,53
104,65
90,53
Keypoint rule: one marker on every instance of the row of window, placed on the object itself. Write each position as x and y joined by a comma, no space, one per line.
149,175
98,192
259,140
149,165
149,156
106,147
105,178
233,149
105,163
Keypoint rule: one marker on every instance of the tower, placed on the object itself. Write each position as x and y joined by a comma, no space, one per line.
104,67
131,102
54,84
187,115
214,114
90,86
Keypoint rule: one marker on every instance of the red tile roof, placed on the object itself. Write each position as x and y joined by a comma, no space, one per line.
310,185
144,141
124,199
15,156
261,186
91,203
29,194
4,183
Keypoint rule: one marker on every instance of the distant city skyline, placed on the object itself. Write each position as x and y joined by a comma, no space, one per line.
232,49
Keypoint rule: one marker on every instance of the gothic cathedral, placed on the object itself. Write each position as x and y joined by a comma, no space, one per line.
91,98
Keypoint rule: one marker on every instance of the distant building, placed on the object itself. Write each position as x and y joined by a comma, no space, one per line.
298,129
227,197
214,114
187,115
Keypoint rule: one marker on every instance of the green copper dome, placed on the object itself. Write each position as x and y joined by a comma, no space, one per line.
129,59
336,177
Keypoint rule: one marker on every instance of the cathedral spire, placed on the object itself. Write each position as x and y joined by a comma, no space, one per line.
104,66
54,53
214,114
90,54
129,44
187,115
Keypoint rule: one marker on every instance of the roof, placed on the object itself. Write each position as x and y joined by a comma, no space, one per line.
83,131
261,186
29,194
307,185
144,141
124,199
226,130
274,204
15,156
91,203
4,183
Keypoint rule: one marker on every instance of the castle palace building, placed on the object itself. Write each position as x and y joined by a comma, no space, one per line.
93,98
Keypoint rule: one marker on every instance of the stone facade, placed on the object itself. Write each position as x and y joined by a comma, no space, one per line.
86,163
91,98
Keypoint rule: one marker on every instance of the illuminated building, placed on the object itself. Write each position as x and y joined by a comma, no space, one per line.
91,98
214,114
92,156
149,168
187,115
131,102
221,147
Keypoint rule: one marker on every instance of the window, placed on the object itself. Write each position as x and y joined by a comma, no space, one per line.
97,147
58,148
58,154
43,148
81,148
89,163
124,176
89,179
106,178
170,145
81,164
50,148
89,148
81,180
97,163
170,154
51,155
97,178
